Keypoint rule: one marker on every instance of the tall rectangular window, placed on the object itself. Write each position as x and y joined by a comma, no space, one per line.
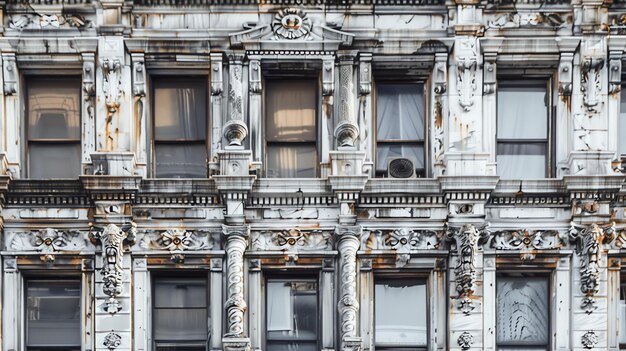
292,315
180,127
400,127
400,314
180,318
523,129
53,131
291,128
622,314
523,313
622,121
53,315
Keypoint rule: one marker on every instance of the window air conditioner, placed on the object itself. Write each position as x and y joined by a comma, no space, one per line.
401,167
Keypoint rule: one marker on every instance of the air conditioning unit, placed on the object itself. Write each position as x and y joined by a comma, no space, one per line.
401,167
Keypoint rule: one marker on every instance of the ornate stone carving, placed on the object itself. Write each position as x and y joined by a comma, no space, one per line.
615,72
139,76
589,240
112,83
440,73
112,238
591,82
465,341
589,339
89,76
403,241
466,81
348,244
235,130
291,23
112,341
47,21
48,242
467,240
328,77
365,73
217,80
9,69
489,74
526,241
565,74
532,19
177,242
347,130
236,242
254,85
291,240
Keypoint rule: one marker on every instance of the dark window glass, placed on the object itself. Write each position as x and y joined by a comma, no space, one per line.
406,330
180,127
292,315
399,124
53,315
522,130
180,313
53,110
291,128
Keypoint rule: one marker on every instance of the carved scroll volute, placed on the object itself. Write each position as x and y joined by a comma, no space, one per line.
440,73
489,73
254,85
365,73
591,82
112,239
467,240
9,71
139,75
217,75
615,72
328,76
349,239
236,242
565,74
589,247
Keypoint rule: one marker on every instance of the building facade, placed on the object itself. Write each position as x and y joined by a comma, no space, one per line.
312,175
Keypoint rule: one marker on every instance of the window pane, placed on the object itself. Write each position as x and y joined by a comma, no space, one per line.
400,112
181,160
622,122
522,110
406,329
388,151
47,161
521,161
523,311
291,161
622,313
54,108
180,109
292,315
53,313
180,324
180,292
291,110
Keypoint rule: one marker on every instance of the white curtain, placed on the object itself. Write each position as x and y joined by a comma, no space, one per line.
406,329
400,112
522,112
291,107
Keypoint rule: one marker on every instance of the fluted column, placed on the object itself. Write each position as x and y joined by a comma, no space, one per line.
235,128
236,242
348,245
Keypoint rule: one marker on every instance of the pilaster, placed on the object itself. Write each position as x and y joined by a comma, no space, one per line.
12,121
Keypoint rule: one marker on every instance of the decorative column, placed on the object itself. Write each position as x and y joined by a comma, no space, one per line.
236,238
217,92
439,106
235,128
364,112
349,239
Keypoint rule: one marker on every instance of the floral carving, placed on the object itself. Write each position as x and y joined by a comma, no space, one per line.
590,82
466,81
589,339
112,341
112,238
291,23
403,241
112,74
465,341
526,241
48,242
589,241
467,239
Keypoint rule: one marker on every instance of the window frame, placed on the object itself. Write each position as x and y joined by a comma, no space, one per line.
313,75
550,168
42,75
198,76
422,83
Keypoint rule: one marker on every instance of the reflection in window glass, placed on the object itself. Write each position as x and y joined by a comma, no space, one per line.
53,110
292,315
406,330
180,313
53,314
523,320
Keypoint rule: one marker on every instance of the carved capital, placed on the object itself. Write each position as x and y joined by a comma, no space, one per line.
139,74
565,73
254,85
9,71
89,75
328,76
440,73
489,74
235,132
365,73
217,79
346,133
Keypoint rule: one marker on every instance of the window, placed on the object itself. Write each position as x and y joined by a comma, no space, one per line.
292,315
523,318
180,127
180,314
400,125
523,129
622,121
53,315
406,330
53,132
291,128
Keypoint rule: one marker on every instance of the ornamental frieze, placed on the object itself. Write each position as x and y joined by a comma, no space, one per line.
177,241
527,241
403,241
291,240
48,242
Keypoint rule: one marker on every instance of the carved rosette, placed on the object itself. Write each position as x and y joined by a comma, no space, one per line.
589,240
48,242
112,87
112,341
591,82
290,24
348,245
527,242
465,341
112,239
589,339
236,243
467,239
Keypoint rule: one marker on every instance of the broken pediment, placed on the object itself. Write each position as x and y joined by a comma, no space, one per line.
291,29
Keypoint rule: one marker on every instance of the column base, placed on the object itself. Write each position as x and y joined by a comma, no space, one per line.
236,344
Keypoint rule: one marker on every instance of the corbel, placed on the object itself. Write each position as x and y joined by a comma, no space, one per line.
328,76
89,73
9,70
590,81
255,77
565,73
489,73
139,74
365,73
217,80
615,71
440,73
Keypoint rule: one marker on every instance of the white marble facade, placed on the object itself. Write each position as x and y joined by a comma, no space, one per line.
460,228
